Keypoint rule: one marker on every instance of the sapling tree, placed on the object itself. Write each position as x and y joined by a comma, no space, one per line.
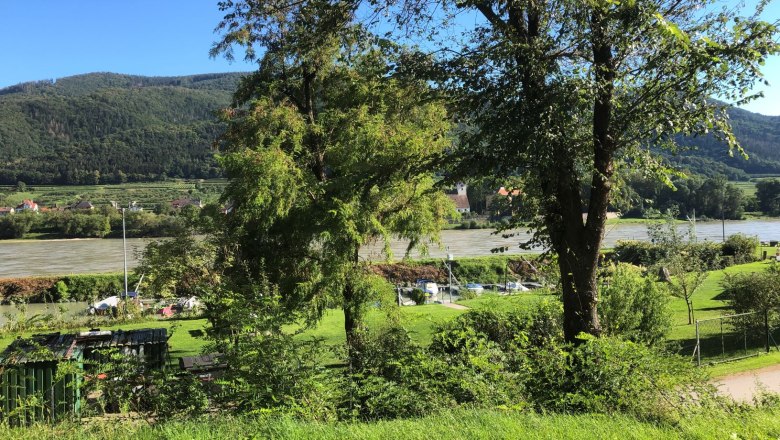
687,276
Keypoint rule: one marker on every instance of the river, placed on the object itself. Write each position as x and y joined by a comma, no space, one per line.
62,257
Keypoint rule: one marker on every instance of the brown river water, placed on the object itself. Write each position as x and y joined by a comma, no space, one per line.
62,257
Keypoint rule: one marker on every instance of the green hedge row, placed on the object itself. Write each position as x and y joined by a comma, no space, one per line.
62,288
737,249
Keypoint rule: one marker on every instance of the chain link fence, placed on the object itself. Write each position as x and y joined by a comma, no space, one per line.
733,337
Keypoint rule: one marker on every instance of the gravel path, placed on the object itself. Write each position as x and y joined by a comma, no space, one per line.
743,386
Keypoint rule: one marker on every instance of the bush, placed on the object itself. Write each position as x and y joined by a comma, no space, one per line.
59,292
467,293
648,254
741,247
754,292
633,306
418,296
607,375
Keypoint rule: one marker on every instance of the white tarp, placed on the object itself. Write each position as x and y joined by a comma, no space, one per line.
107,303
189,303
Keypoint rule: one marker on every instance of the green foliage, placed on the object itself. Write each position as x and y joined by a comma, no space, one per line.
85,225
741,247
418,296
610,375
633,306
768,195
134,128
93,287
15,226
648,254
177,267
487,270
59,292
754,292
711,197
176,395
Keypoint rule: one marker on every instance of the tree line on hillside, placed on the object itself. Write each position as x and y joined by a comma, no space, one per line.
77,132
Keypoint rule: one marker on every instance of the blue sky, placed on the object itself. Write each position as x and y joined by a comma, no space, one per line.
45,39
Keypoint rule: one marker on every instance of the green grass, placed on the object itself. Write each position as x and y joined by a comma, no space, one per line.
748,188
459,424
509,302
749,364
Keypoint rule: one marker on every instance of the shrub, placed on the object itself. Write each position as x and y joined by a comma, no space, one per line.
633,306
418,296
754,292
609,375
650,254
467,293
741,247
59,292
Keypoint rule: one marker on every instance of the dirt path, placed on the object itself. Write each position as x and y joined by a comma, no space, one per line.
743,386
455,306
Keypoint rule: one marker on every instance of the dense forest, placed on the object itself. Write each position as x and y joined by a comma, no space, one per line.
110,128
759,136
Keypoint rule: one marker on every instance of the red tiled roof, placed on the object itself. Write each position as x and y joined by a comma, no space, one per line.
504,192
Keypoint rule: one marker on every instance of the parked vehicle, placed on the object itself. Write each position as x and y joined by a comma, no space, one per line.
475,287
429,287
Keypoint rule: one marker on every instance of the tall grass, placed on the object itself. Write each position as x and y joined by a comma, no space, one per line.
756,423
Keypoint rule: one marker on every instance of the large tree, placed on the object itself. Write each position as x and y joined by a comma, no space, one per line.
571,94
567,94
328,148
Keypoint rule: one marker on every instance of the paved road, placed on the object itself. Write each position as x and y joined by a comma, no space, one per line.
743,386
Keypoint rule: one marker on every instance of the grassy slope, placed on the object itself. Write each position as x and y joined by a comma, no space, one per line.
478,424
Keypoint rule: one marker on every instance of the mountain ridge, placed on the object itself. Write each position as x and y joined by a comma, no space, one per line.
108,128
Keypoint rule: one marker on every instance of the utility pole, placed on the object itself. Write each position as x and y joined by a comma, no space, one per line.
124,249
450,257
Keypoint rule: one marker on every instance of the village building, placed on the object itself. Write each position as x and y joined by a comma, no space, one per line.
27,205
500,203
460,199
6,211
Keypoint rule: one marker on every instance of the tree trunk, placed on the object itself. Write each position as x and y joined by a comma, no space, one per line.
689,303
353,321
351,328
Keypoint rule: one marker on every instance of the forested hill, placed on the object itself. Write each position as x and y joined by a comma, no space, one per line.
105,127
108,128
759,135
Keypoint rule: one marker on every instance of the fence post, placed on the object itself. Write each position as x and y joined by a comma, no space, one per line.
698,346
766,329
